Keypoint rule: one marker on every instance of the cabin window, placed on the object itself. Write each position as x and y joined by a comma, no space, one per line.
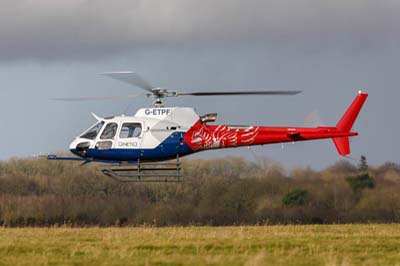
109,131
93,131
104,145
130,130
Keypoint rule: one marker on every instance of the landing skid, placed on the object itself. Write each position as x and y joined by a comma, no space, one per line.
155,172
134,171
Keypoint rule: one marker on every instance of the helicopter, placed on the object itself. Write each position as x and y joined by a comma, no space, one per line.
141,147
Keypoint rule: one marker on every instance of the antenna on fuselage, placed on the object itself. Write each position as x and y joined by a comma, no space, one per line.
98,118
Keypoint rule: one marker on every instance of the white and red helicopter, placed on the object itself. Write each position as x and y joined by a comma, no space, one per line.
160,133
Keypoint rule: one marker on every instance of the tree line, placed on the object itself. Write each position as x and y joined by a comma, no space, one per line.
228,191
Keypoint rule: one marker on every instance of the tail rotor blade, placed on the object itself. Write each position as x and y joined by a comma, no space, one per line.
313,119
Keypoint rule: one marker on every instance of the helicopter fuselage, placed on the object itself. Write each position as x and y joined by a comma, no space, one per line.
157,134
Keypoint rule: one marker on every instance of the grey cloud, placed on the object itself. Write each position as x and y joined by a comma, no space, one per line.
89,29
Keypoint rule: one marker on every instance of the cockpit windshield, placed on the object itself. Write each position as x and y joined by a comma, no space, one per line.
93,131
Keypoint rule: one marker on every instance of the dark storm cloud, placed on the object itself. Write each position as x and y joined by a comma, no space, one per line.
88,29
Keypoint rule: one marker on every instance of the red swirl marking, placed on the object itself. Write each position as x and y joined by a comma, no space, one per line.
202,136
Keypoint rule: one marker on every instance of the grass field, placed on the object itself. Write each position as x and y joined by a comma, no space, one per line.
264,245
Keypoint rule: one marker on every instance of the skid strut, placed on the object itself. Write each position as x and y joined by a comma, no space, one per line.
145,172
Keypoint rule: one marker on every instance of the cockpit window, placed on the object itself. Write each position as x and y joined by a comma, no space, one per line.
93,131
130,130
109,131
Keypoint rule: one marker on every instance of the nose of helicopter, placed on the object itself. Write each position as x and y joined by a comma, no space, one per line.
79,147
72,147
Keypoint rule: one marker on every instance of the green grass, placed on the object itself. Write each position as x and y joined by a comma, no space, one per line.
264,245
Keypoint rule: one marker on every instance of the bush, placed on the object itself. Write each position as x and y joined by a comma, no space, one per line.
228,191
294,198
361,181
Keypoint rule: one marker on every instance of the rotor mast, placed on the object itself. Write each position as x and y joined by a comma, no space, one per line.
158,94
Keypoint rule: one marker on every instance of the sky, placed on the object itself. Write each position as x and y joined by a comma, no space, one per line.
328,49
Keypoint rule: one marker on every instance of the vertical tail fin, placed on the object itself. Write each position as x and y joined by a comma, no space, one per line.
346,123
348,119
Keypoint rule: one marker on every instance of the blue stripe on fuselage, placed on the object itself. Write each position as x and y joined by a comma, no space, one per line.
168,149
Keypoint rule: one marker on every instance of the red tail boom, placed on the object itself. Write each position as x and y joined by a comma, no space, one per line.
203,136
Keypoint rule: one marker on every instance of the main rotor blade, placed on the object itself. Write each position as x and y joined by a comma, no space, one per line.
77,99
131,78
221,93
